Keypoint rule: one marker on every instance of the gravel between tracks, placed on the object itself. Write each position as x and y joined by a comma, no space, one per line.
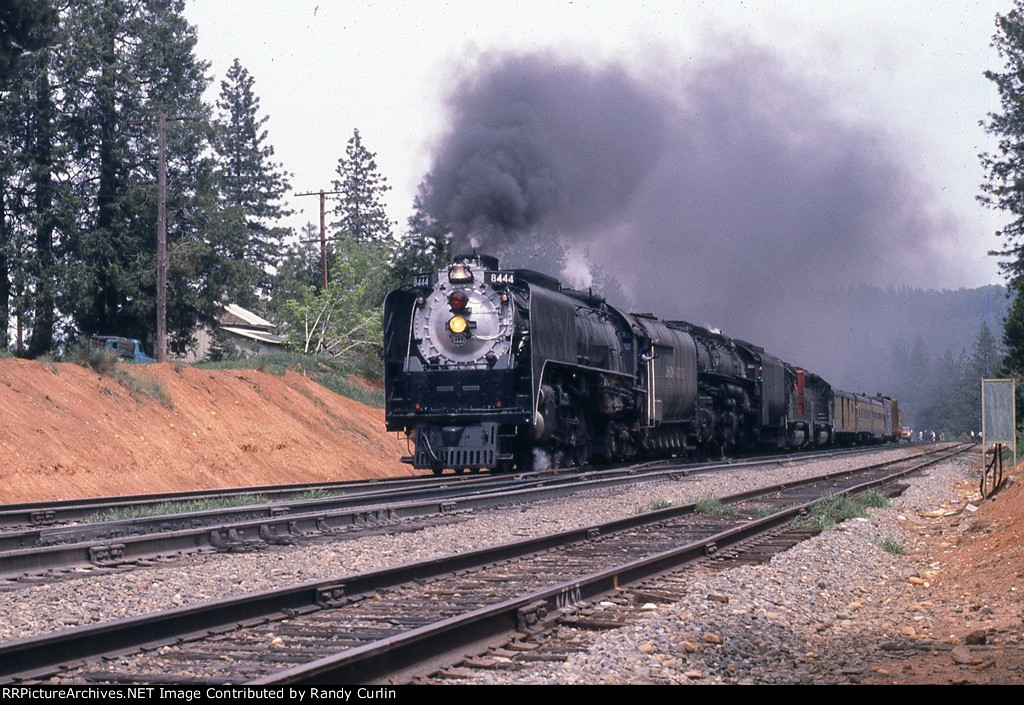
801,618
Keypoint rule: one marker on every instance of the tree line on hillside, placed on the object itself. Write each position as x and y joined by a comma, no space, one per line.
942,393
82,84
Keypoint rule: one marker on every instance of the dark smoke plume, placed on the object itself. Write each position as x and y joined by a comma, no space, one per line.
537,144
730,195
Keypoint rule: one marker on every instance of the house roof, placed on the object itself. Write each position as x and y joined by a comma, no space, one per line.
237,316
259,335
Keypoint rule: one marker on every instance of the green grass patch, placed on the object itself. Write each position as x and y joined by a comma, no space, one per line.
873,498
99,360
313,494
710,505
184,507
142,387
891,545
653,506
105,363
762,512
829,511
340,385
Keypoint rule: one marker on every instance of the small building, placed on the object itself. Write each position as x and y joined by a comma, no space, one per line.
239,330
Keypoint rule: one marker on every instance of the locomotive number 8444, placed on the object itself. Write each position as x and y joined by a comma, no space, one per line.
492,368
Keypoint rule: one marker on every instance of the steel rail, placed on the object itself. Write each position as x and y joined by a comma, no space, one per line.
66,511
110,544
392,658
41,656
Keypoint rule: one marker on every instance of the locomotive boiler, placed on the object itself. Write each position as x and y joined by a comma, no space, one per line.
493,368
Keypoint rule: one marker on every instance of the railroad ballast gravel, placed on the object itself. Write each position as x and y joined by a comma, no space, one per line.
801,618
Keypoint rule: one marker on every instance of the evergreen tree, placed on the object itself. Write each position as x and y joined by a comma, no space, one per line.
1004,188
42,145
13,169
25,26
426,246
360,210
1013,334
252,186
296,272
132,61
987,357
30,151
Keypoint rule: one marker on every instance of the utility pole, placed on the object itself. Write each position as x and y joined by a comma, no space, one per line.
323,230
161,233
161,246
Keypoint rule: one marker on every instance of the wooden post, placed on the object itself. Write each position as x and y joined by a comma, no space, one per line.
323,239
161,231
323,230
161,246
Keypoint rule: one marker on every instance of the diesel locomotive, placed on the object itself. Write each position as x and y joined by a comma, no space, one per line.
492,368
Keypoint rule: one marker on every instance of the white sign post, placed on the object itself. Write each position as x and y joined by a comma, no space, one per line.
998,415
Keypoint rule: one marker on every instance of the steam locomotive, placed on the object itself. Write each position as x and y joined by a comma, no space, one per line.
502,369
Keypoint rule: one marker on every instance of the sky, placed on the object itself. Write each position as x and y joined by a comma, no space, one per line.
909,73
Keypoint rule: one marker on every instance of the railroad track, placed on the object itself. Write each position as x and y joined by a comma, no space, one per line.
389,623
45,553
32,516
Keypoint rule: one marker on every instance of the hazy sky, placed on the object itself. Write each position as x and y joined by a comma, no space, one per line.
912,70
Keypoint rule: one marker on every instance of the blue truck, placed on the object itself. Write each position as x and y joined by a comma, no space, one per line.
125,348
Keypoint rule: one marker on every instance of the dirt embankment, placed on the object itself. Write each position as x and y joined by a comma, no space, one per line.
66,431
969,596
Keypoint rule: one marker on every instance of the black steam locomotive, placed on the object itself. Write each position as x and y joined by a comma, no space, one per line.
492,368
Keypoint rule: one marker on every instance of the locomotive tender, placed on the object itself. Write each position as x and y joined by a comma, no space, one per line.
492,368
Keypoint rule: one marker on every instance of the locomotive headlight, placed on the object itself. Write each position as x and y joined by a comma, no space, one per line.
458,324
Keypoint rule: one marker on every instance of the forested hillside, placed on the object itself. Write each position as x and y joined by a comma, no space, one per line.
930,349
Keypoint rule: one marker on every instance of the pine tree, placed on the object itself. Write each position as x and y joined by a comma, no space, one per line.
987,357
13,169
130,62
1005,185
298,270
426,246
42,146
251,184
25,26
1004,188
29,163
360,210
1013,334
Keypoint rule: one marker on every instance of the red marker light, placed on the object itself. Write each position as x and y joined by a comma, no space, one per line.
458,300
